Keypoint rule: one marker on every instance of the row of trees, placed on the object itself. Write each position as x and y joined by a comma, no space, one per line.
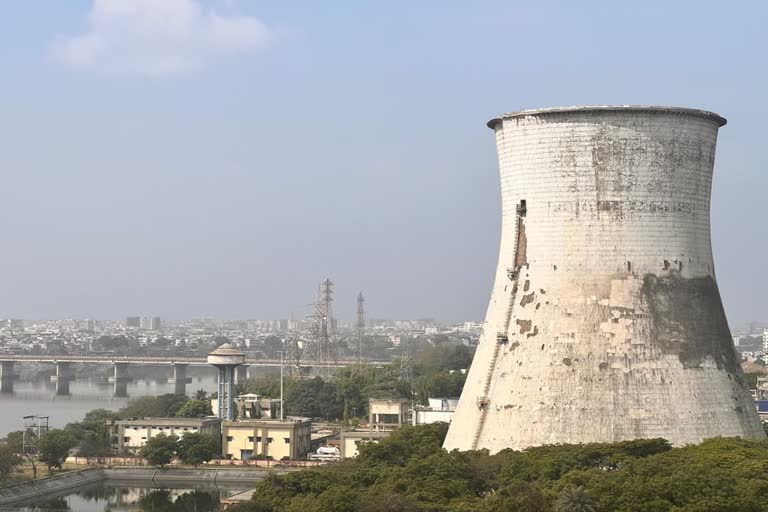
191,448
410,472
433,372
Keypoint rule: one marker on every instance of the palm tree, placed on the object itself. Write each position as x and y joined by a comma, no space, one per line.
575,499
201,394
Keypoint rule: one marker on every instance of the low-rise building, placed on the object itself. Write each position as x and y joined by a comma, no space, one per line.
352,439
261,439
131,435
388,413
438,410
384,415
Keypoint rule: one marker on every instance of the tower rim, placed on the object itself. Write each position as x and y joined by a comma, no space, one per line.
580,109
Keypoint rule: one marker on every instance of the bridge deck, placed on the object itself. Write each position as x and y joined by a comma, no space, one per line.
161,360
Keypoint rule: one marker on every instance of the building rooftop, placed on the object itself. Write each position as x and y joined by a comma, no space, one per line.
167,421
226,355
493,123
266,422
226,350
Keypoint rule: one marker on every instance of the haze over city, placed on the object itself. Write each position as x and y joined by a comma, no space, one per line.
225,164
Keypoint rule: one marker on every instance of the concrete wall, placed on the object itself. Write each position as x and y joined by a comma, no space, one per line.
424,416
35,489
605,322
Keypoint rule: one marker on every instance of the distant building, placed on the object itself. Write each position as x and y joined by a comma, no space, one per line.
384,415
438,410
131,435
261,439
150,323
765,341
133,321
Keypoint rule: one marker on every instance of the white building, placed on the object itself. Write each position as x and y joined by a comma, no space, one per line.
384,415
439,410
765,342
131,435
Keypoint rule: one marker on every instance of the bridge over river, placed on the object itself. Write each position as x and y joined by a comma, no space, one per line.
121,363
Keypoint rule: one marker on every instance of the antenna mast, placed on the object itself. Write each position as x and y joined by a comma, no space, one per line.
360,326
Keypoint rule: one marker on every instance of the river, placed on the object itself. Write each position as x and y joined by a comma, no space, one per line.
39,397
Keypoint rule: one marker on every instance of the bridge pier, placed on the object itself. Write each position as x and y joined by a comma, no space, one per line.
180,379
241,373
63,377
6,377
120,378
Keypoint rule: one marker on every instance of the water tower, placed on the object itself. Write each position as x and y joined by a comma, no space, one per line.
226,358
605,322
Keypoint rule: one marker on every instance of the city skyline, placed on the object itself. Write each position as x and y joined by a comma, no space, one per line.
199,173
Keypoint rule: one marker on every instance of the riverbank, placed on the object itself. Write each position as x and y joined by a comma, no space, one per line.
64,483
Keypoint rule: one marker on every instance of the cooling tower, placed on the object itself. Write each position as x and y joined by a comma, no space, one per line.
605,321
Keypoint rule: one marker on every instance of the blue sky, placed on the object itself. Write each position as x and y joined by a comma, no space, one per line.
222,157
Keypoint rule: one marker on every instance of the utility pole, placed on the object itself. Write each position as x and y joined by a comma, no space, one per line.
282,414
360,326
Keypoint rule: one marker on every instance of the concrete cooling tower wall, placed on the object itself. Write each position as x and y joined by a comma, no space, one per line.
605,321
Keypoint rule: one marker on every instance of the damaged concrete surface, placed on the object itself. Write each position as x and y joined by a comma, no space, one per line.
617,330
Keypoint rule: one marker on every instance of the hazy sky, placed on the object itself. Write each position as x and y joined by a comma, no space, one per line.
186,157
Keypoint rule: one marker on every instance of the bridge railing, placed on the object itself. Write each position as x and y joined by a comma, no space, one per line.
168,360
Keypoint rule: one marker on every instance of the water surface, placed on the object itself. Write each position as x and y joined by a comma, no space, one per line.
105,497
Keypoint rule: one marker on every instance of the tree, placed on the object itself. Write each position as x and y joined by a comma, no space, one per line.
9,461
95,446
53,448
196,448
194,409
154,406
15,440
254,505
575,499
313,398
93,433
264,386
159,450
200,394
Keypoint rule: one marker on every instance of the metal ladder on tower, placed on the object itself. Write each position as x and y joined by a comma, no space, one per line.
501,339
501,336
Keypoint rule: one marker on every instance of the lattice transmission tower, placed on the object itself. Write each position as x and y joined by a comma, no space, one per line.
360,326
322,349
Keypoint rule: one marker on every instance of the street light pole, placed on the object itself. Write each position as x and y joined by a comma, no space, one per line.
282,414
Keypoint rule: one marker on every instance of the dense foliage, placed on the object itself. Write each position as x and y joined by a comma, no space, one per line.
411,472
191,448
9,460
159,450
53,447
161,406
432,372
196,447
195,409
